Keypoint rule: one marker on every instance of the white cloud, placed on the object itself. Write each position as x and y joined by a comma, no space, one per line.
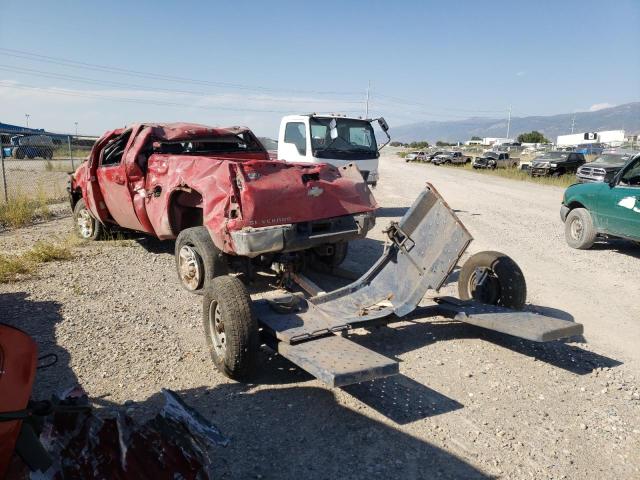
96,110
520,74
599,106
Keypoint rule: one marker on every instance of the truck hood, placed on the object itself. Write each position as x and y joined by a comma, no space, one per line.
583,189
607,166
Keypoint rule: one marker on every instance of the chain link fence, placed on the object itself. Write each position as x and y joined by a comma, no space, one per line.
37,166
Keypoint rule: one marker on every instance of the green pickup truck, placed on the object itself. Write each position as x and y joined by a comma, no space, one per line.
609,209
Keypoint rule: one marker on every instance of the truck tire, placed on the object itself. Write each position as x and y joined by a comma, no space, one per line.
579,231
502,282
198,260
19,153
86,225
231,331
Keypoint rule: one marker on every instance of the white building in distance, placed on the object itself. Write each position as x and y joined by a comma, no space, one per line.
615,137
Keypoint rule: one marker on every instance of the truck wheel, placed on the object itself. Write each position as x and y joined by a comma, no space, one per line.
86,226
19,154
493,278
230,329
335,258
198,260
579,231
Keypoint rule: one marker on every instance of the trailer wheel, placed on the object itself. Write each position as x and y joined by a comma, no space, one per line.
493,278
579,231
230,329
198,260
86,226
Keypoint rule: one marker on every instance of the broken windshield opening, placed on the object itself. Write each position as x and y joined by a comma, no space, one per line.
202,146
355,140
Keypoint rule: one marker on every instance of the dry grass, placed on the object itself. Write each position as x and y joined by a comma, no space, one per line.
12,269
22,210
517,174
117,238
58,166
43,252
17,267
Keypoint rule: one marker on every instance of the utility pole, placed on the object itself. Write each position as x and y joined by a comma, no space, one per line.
76,128
573,123
509,122
366,112
26,115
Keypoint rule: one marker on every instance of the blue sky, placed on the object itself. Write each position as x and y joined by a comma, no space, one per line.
251,62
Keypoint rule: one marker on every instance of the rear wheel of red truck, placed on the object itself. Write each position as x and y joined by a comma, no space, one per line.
198,260
230,328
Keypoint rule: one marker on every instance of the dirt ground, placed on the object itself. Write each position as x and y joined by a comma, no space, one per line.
468,403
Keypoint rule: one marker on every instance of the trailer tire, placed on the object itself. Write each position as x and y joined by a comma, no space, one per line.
504,284
231,330
198,260
86,225
579,231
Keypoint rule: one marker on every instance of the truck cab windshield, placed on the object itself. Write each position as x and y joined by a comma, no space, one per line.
355,140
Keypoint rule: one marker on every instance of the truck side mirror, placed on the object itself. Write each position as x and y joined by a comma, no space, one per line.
383,124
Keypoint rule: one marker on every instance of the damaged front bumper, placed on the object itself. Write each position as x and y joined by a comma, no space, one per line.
251,242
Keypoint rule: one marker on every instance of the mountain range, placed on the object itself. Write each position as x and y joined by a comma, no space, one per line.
621,117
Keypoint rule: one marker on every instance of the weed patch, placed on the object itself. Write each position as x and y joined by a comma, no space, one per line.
14,268
11,269
43,252
22,210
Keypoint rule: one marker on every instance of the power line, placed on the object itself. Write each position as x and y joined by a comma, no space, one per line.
154,76
75,78
141,101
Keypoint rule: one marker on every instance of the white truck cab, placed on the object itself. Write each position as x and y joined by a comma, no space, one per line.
334,139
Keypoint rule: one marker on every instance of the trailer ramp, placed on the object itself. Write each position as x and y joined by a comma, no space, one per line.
420,253
528,325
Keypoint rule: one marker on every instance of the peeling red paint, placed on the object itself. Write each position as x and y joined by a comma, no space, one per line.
238,190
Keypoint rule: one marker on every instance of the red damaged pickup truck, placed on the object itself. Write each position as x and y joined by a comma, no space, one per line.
217,192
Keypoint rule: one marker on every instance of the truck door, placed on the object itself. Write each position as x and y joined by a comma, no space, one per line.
112,181
621,208
293,147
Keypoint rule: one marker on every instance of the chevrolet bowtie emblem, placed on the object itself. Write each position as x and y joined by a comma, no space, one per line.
315,191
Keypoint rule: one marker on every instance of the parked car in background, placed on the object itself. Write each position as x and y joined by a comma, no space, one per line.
556,164
495,160
417,156
609,208
451,157
30,146
605,167
433,155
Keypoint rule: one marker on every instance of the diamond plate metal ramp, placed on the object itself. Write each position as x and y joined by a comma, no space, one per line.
422,250
527,325
338,361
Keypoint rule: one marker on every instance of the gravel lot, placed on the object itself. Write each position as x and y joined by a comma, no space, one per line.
468,403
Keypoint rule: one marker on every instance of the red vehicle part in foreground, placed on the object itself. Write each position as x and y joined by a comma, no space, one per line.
161,179
17,371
